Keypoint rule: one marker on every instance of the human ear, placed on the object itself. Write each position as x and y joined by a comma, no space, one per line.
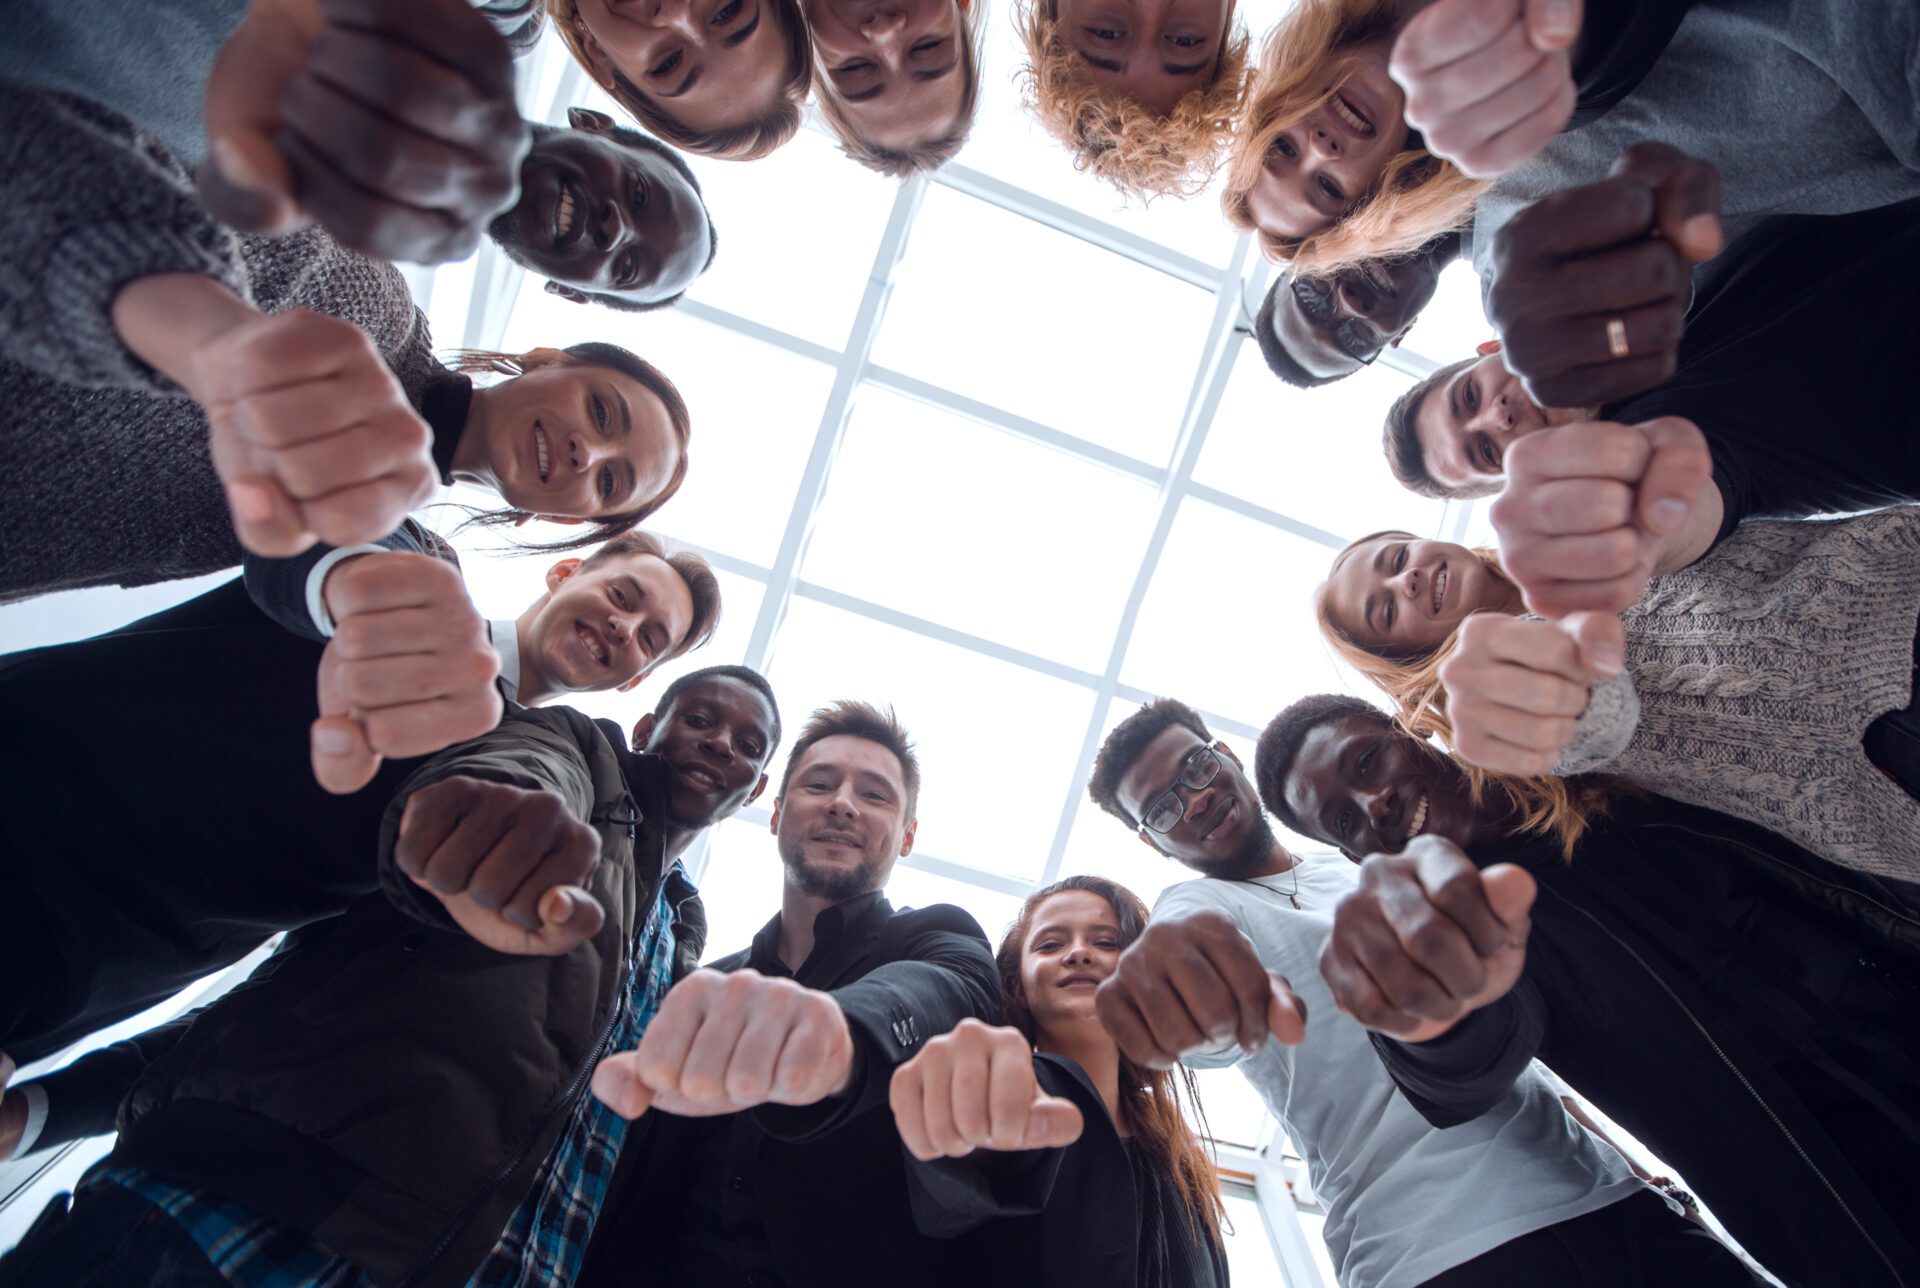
594,58
1487,346
630,685
560,572
565,520
564,291
906,840
586,118
535,359
773,824
758,787
1230,754
642,730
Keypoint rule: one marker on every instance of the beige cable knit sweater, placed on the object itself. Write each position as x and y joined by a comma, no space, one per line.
1752,675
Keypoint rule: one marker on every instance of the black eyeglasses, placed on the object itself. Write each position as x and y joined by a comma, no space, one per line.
1358,338
1167,809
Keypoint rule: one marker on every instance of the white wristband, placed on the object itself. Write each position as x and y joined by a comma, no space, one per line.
317,583
36,1098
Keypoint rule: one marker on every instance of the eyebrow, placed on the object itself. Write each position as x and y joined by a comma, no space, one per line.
1061,928
1453,395
685,85
1328,810
734,41
1373,598
1104,64
1175,69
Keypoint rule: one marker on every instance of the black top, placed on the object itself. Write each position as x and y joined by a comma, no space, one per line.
815,1194
1095,1213
1794,365
443,405
1702,983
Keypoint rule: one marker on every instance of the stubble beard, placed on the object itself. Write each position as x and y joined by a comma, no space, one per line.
820,881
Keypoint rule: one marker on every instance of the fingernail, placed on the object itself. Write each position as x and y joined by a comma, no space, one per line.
1257,1043
1222,1033
236,167
1702,234
1557,20
332,741
1608,659
250,502
1666,514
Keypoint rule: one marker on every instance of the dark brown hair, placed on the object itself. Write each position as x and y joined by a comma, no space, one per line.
1149,1098
1400,439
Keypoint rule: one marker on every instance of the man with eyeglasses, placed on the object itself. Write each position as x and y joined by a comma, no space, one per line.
1227,974
1315,330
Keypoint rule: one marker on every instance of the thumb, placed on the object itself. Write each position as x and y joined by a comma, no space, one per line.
1051,1123
1553,25
343,763
265,518
246,184
1510,891
1679,470
1286,1013
617,1085
569,916
7,1066
1601,640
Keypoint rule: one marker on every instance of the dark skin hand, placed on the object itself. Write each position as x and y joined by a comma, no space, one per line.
1621,248
1427,938
509,864
1192,982
397,129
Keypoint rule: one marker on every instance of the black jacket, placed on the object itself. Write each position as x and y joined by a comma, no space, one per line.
1748,1011
162,820
824,1185
1043,1217
384,1082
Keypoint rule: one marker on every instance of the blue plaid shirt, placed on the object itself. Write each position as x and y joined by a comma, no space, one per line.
544,1242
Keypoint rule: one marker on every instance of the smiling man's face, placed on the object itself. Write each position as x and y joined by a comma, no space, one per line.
1367,788
843,820
716,739
606,626
1222,831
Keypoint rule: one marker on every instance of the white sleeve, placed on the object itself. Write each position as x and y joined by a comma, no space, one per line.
36,1098
317,581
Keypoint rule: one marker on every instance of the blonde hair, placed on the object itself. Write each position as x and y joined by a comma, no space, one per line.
1113,138
1547,805
747,141
1305,60
923,155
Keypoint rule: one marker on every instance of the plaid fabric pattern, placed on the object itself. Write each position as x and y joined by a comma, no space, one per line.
247,1249
546,1241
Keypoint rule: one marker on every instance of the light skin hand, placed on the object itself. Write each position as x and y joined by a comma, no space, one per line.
510,865
1425,939
1516,688
974,1088
1593,509
723,1043
1488,82
308,429
1192,982
409,670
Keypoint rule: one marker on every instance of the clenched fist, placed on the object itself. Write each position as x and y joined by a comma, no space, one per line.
1192,982
390,123
727,1042
1516,687
1593,509
975,1088
1488,82
409,669
509,865
1426,938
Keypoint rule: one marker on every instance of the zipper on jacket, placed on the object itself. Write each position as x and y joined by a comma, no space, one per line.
1734,1069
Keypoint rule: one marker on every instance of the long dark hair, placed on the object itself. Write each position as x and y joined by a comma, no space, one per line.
1149,1098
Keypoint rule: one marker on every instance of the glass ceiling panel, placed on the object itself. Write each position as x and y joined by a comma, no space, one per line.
741,883
1285,448
1250,1259
1452,323
997,742
1226,624
1029,326
977,539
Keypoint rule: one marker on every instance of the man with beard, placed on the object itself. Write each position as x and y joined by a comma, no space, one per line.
1743,1008
389,1101
765,1150
1315,330
1208,983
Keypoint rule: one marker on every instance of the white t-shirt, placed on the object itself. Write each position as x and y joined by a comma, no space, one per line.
1405,1201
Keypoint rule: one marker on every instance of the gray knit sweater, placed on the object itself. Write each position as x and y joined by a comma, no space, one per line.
108,477
1758,669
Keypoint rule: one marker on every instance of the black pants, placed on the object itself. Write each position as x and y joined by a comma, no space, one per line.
110,1238
1638,1242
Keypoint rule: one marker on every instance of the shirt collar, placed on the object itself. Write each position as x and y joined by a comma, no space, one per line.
859,917
506,642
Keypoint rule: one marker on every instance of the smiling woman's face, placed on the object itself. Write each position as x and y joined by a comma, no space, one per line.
1398,596
708,64
1319,168
1072,944
895,68
1154,52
